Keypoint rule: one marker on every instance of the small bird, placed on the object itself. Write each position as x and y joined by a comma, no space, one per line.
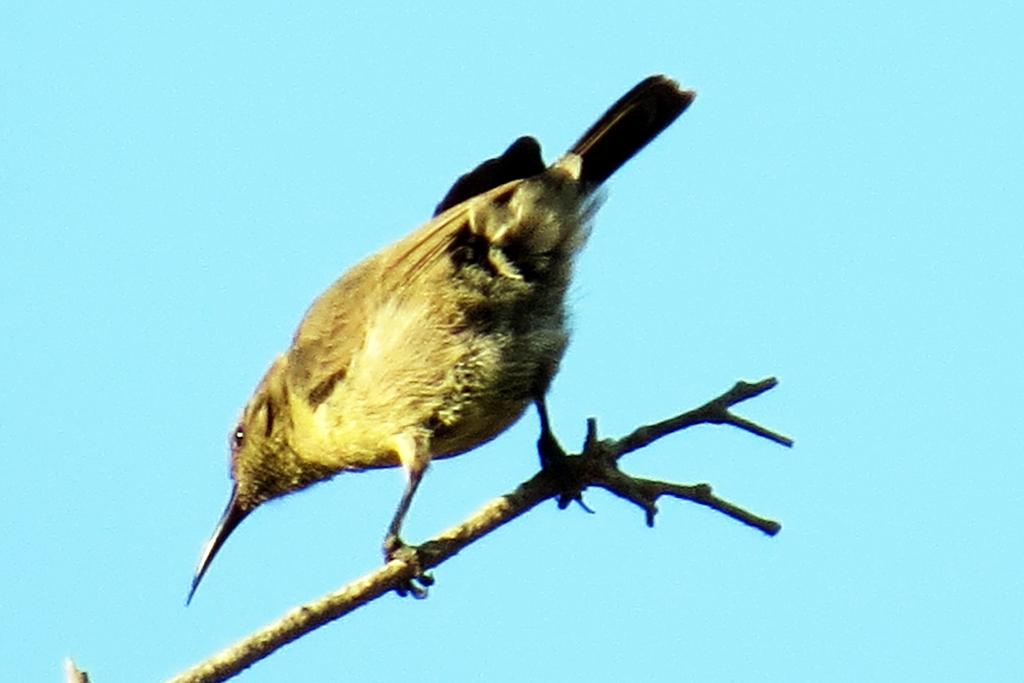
440,341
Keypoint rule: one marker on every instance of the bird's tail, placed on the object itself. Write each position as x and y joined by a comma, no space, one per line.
635,119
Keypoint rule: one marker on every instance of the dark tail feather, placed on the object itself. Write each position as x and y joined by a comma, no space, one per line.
628,125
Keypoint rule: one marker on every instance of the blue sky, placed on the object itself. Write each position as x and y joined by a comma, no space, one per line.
840,207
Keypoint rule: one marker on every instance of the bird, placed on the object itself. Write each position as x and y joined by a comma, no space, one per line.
440,341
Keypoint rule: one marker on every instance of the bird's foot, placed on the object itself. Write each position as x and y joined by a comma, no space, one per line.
418,584
556,463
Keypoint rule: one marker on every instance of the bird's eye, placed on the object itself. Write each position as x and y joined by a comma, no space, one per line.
238,436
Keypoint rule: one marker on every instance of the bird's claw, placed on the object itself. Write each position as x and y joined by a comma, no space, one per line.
418,584
555,461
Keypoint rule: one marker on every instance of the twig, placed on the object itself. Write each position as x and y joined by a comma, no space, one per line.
715,411
596,465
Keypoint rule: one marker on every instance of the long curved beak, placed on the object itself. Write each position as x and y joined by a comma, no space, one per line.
232,517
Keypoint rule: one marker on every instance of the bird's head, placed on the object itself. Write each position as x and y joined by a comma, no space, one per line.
264,464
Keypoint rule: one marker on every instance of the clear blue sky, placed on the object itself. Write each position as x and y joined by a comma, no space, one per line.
841,207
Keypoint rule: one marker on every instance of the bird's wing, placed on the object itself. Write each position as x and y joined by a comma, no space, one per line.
335,326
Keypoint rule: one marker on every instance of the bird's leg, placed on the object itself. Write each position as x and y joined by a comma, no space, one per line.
552,455
396,549
392,541
555,461
415,457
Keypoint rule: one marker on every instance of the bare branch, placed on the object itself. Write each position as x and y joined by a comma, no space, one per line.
596,465
715,411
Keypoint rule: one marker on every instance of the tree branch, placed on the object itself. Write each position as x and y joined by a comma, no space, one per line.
596,465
